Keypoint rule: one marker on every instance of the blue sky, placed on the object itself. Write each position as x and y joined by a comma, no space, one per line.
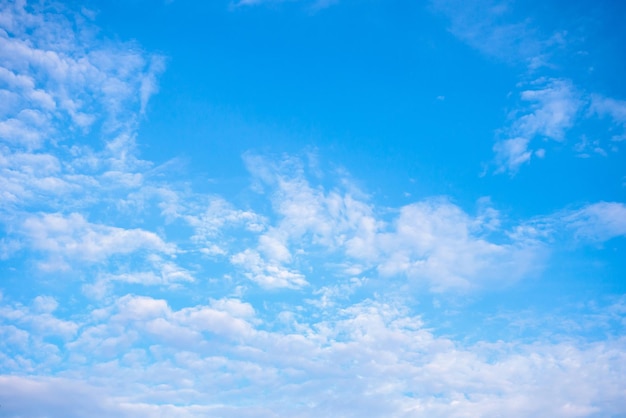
269,208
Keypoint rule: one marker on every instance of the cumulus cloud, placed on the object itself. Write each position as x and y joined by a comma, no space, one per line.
432,242
267,273
374,351
439,243
66,85
63,84
26,333
73,238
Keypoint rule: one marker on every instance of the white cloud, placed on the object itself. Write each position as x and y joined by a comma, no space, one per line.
607,106
63,82
551,105
234,307
149,84
215,321
211,218
371,351
27,128
310,220
490,27
155,271
267,274
45,304
67,79
132,318
38,322
439,243
73,238
141,308
432,242
614,109
274,248
315,4
331,295
550,109
597,222
511,154
594,223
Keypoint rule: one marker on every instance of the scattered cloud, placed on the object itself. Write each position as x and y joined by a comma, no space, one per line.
297,300
593,223
58,76
313,5
73,238
433,242
549,110
598,222
553,109
490,27
511,154
606,106
550,105
371,350
269,274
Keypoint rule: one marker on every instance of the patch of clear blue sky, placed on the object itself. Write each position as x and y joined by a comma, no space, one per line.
364,92
360,81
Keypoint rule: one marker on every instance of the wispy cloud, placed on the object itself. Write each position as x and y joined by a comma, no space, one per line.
314,5
615,110
549,109
597,222
491,27
512,153
551,104
553,107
